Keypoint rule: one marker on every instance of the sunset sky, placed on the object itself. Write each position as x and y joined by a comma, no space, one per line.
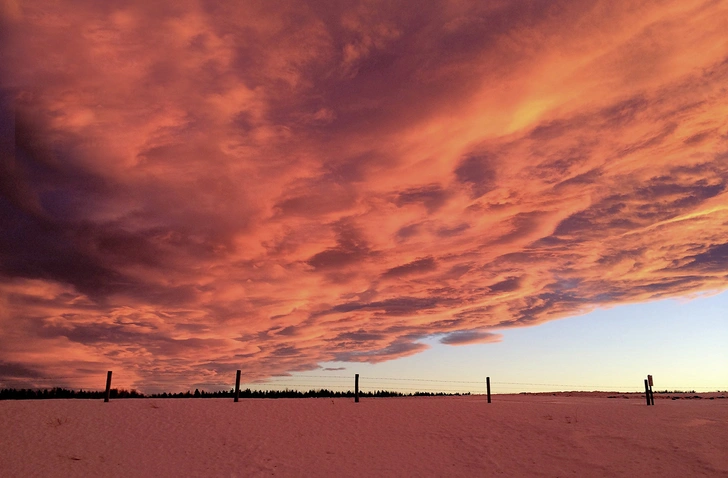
397,189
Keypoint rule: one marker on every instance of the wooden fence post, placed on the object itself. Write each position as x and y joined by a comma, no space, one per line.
647,392
356,388
108,386
237,385
652,395
487,387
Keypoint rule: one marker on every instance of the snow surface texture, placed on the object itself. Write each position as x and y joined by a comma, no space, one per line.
516,435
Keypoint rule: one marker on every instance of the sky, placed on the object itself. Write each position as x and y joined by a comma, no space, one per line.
681,343
189,188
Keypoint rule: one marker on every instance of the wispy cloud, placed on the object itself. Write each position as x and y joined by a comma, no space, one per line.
192,187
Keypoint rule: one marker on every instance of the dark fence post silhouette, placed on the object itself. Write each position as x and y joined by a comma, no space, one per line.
652,395
487,387
356,388
647,392
237,386
108,386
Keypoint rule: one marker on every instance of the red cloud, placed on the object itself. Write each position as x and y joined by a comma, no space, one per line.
188,189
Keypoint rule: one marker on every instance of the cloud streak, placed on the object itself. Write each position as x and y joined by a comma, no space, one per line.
195,187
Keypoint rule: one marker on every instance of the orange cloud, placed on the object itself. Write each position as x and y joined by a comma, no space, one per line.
191,188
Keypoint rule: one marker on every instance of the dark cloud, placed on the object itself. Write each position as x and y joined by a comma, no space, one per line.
39,196
337,257
624,112
580,179
395,306
394,350
285,351
10,370
408,231
470,337
359,336
714,259
39,249
550,130
350,248
91,334
682,195
426,264
699,137
508,285
334,200
288,331
193,328
478,173
452,231
432,196
659,198
522,225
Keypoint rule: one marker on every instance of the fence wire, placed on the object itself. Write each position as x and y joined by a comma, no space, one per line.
366,383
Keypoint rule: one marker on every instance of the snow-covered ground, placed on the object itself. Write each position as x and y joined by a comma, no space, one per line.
516,435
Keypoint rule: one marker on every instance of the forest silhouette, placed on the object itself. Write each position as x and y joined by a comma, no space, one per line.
63,393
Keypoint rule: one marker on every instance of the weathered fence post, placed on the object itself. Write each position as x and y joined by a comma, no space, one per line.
237,385
487,387
652,395
356,388
647,392
108,386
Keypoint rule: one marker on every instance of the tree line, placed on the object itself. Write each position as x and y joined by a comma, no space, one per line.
63,393
58,392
